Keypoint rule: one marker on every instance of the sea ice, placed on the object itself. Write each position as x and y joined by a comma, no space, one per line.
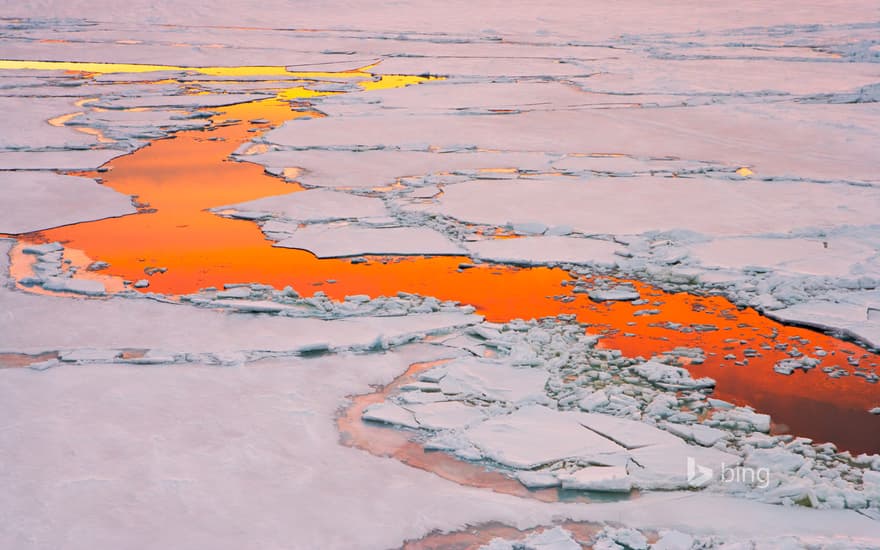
315,205
546,249
534,436
342,240
41,200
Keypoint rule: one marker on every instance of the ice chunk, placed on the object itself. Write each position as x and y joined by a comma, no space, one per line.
670,377
389,413
537,479
484,379
667,466
445,415
42,249
89,287
699,433
611,479
335,241
547,249
775,460
618,293
629,433
314,205
673,540
534,435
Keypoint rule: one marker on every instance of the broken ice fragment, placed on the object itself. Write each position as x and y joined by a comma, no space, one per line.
620,293
534,436
88,287
669,377
90,356
445,415
612,479
389,413
537,479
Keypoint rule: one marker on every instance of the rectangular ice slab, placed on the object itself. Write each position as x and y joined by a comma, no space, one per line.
534,436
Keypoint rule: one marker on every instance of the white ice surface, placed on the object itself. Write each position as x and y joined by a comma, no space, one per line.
476,378
341,239
31,201
834,257
314,206
534,435
545,249
625,206
72,159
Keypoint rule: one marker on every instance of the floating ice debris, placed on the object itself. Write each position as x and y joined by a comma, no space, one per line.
670,377
788,366
141,283
875,410
618,293
537,480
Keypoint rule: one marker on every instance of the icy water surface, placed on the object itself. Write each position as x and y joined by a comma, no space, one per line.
176,181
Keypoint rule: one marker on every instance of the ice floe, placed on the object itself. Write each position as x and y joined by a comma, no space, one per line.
40,200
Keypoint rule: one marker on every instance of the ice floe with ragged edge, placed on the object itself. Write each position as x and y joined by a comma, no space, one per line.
552,410
35,200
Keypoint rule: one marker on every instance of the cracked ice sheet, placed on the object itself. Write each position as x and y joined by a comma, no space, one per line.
546,249
31,201
379,168
315,205
37,323
796,140
637,205
342,239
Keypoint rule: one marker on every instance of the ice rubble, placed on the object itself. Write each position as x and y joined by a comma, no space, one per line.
606,423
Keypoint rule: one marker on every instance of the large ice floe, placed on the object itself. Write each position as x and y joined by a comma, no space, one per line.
714,149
